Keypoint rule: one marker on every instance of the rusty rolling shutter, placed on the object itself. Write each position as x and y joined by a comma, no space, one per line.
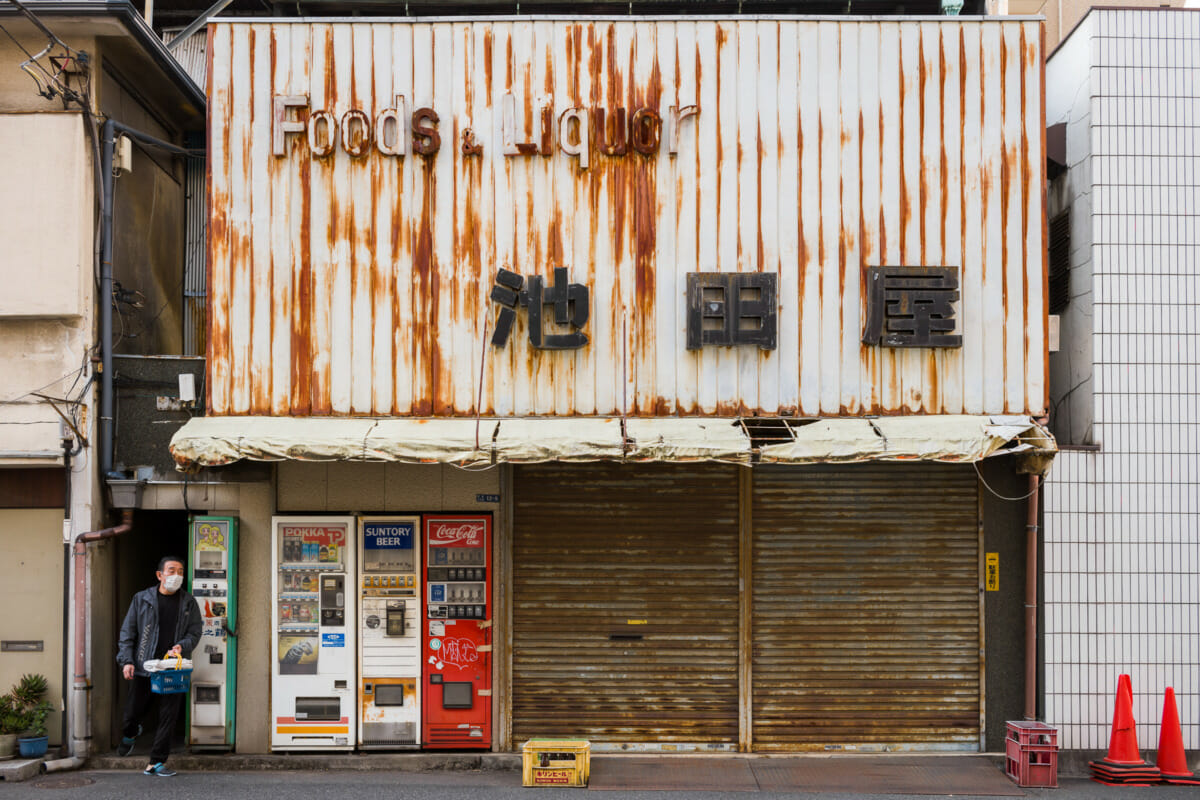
865,607
625,603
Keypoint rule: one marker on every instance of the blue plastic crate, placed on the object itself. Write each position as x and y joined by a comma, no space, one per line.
171,681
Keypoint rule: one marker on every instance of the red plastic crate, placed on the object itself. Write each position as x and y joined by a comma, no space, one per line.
1031,754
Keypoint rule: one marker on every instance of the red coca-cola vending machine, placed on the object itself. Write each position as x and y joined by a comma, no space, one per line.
457,641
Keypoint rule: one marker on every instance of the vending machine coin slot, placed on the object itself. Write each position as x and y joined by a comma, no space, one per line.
395,618
333,601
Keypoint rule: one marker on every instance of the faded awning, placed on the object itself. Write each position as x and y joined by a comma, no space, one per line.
918,438
215,441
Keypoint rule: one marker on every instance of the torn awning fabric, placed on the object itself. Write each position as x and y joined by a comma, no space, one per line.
216,441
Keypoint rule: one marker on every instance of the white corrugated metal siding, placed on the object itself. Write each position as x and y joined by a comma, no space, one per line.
345,285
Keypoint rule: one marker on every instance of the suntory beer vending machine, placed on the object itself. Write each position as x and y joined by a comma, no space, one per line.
212,578
313,690
389,632
457,640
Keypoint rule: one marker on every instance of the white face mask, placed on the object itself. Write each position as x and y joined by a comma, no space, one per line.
172,583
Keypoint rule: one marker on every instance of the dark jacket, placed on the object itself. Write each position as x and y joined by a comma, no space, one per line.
139,632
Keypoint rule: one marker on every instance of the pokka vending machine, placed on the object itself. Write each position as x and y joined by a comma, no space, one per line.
457,640
313,690
212,578
389,635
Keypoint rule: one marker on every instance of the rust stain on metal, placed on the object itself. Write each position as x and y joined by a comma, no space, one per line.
905,207
611,133
985,174
923,189
488,44
1026,179
424,301
508,63
1004,182
943,184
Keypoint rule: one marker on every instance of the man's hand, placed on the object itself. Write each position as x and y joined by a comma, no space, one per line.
177,650
127,671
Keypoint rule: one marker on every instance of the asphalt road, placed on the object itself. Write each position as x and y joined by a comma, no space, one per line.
492,785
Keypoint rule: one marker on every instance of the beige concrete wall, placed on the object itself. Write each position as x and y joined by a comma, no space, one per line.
45,215
254,618
31,593
365,488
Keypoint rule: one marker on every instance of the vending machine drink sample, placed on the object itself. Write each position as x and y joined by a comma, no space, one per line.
212,576
457,640
389,642
313,681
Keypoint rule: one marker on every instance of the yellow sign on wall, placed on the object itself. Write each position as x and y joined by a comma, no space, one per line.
992,571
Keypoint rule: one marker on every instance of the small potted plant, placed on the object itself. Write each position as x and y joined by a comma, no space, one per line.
10,725
28,699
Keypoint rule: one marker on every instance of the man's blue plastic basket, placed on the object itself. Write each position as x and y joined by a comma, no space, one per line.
171,681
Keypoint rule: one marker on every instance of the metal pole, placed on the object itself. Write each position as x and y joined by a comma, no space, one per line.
1031,567
106,300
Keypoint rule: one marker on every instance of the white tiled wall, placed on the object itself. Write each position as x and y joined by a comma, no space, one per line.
1122,527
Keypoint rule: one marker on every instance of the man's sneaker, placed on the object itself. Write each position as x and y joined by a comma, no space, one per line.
127,742
160,769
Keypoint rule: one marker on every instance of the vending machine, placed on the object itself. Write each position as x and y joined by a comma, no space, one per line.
212,578
313,689
389,636
457,639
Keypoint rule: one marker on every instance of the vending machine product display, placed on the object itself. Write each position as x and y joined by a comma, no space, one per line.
313,664
457,639
389,640
212,578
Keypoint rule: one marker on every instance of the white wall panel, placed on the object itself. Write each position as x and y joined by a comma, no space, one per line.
1122,560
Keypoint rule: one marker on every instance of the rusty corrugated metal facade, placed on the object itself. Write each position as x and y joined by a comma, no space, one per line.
358,282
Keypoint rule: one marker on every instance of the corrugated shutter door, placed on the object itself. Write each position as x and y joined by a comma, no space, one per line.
625,603
865,607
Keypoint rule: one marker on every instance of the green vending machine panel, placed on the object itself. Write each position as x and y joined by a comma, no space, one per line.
212,575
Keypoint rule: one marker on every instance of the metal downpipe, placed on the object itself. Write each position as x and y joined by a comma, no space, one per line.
106,300
1031,582
81,701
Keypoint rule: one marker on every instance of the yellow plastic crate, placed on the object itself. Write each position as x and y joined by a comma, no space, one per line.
555,762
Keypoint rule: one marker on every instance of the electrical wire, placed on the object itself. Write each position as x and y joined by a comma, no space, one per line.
1031,493
16,400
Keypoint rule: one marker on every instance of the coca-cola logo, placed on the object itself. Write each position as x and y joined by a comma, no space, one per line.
449,533
458,652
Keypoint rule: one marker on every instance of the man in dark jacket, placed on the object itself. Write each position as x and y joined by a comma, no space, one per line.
163,619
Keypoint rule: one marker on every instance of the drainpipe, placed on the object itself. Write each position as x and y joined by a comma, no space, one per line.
80,708
1031,567
106,301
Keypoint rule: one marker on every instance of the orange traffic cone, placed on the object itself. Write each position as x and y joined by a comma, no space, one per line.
1171,759
1123,766
1122,744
